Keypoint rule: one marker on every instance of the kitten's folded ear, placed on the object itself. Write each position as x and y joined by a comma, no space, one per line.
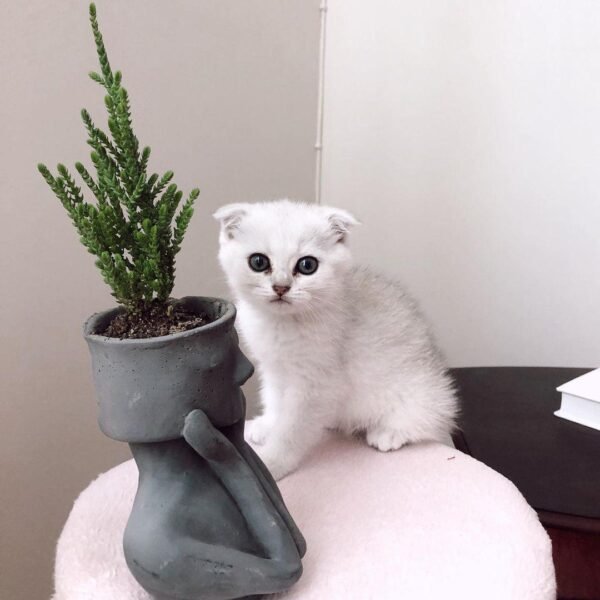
230,217
340,222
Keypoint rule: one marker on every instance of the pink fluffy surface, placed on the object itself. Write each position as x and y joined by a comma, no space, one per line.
425,522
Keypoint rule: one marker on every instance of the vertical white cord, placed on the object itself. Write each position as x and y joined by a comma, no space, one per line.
320,104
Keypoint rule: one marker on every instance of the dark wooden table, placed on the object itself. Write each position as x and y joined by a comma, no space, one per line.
507,422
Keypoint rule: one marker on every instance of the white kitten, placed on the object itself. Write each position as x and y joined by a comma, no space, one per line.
336,345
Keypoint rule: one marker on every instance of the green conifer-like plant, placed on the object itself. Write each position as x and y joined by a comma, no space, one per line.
134,227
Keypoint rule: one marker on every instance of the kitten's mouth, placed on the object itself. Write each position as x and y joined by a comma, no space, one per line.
280,299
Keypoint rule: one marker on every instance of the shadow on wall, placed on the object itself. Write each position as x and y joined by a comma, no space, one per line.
225,95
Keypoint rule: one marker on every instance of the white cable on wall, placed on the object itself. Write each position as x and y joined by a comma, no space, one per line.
320,104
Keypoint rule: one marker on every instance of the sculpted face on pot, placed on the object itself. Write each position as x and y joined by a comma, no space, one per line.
216,380
146,388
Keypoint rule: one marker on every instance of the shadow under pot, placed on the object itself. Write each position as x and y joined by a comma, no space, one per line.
208,521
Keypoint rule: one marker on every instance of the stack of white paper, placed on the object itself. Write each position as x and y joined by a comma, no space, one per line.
581,400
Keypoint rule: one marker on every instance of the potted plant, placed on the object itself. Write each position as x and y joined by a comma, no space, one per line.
208,520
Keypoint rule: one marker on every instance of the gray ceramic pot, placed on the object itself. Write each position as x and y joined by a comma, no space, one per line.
208,521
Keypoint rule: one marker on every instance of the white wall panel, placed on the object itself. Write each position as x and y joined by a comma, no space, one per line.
466,136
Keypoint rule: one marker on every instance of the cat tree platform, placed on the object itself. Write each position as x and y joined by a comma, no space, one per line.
424,522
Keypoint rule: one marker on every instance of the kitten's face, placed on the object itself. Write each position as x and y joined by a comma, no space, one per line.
284,257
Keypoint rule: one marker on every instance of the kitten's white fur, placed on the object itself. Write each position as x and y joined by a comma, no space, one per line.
349,350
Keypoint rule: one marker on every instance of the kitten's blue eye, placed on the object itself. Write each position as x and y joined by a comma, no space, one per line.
307,265
258,262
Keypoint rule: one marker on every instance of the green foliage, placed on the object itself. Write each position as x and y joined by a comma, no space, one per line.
133,227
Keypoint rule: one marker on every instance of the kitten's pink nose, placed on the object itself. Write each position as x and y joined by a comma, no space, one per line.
280,290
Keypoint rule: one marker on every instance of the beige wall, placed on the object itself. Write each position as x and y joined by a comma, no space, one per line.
225,94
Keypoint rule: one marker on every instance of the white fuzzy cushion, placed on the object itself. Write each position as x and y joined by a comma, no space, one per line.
423,523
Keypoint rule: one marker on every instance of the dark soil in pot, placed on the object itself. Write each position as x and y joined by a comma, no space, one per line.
157,321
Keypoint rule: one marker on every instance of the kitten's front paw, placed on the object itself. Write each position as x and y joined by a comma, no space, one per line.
385,439
256,431
274,460
278,470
